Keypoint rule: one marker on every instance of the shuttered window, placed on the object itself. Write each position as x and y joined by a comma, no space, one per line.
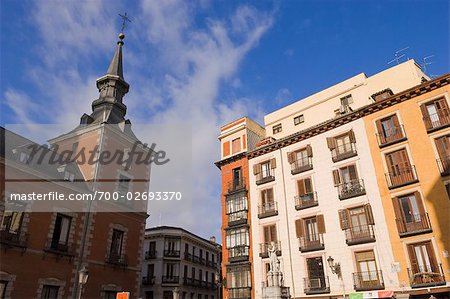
345,174
398,162
443,147
270,233
267,196
304,186
356,217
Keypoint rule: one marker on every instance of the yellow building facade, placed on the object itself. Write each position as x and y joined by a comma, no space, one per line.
409,135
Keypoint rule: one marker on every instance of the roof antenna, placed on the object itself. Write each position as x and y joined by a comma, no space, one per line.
426,61
398,55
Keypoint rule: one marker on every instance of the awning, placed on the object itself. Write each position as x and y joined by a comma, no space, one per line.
370,295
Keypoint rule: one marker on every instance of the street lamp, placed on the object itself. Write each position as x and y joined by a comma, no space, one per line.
336,269
83,275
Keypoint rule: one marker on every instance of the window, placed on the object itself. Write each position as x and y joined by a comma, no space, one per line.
299,119
276,129
61,231
268,206
348,183
239,278
265,167
236,206
358,224
123,184
389,130
116,243
237,179
267,197
237,237
304,187
236,145
11,222
347,100
382,95
424,267
410,214
342,146
24,158
306,196
109,294
443,148
367,275
300,160
435,113
309,231
264,171
400,170
316,280
49,292
270,233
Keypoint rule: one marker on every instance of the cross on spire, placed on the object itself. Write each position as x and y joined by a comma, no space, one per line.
125,19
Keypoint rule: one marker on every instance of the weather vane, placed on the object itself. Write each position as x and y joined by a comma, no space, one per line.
125,19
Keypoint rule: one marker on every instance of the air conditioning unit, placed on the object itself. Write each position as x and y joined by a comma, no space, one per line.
315,283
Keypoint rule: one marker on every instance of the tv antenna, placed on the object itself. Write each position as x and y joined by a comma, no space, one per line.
426,61
398,55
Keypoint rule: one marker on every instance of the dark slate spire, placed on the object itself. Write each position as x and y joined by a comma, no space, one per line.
109,108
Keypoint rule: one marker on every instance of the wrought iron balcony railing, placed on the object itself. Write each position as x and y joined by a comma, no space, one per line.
265,177
360,234
305,201
393,135
171,253
187,256
268,209
301,165
60,249
370,280
437,120
316,285
151,254
344,151
351,189
426,276
417,224
148,280
170,279
264,248
311,242
401,177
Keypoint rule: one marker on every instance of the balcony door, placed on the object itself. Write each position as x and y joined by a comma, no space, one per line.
399,167
359,223
411,211
343,144
311,230
305,189
316,274
367,275
267,200
270,234
424,268
443,147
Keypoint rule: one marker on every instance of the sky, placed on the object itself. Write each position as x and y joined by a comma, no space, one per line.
203,63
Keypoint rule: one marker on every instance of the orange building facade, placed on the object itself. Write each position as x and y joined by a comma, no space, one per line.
409,138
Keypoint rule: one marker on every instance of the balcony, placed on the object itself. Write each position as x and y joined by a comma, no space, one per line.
236,186
196,259
117,259
151,254
317,285
238,253
188,281
13,240
187,256
60,250
170,279
351,189
148,280
366,281
240,293
344,151
305,201
301,165
437,120
236,218
265,177
402,177
311,243
264,249
417,224
171,253
202,261
426,276
393,135
268,209
360,234
444,166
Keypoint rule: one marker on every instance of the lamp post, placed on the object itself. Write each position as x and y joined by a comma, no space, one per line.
336,269
83,275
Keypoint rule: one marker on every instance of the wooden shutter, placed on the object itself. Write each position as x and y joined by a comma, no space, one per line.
269,195
291,157
309,150
226,148
398,215
331,142
352,171
441,104
369,214
256,169
320,224
412,257
273,233
351,136
308,185
379,128
344,219
267,234
299,228
336,177
395,121
273,163
431,256
420,205
443,147
263,197
301,187
424,110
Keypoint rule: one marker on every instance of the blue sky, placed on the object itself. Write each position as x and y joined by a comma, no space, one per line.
203,62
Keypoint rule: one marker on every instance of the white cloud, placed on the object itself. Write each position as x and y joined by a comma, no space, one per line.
179,81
